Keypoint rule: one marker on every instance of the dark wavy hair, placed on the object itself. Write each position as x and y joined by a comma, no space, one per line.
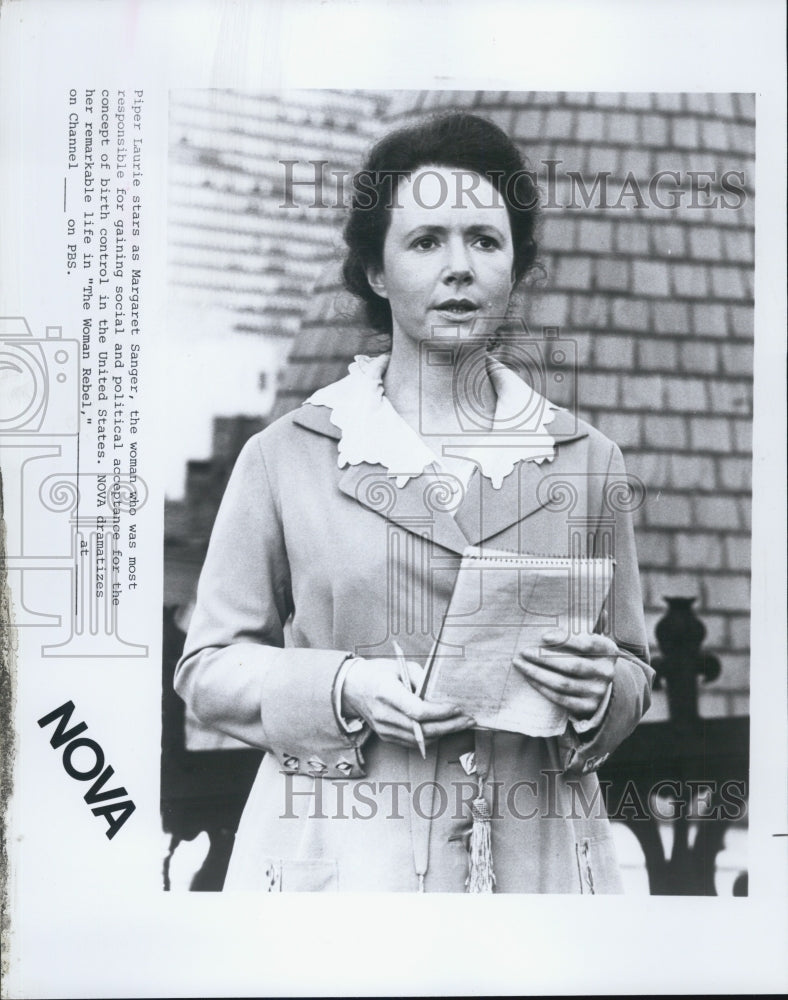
451,139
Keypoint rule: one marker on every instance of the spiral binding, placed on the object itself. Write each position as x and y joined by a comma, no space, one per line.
526,559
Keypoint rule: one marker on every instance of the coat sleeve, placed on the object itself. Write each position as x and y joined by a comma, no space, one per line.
630,693
235,673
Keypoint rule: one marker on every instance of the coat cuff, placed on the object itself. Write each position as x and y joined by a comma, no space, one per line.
584,726
346,725
629,698
299,721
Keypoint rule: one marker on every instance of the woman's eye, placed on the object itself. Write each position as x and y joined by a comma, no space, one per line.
424,243
487,243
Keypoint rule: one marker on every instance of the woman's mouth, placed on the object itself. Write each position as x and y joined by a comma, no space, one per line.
457,308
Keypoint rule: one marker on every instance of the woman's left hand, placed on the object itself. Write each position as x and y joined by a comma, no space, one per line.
574,674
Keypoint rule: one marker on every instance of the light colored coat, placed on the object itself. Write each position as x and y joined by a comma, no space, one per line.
309,563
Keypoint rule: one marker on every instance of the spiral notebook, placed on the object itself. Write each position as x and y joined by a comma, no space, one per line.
502,602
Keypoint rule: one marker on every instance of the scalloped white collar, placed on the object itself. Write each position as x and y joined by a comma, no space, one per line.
372,431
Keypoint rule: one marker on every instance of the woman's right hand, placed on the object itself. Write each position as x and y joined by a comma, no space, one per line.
373,691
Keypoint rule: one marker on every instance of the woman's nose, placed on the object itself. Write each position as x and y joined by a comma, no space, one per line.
458,264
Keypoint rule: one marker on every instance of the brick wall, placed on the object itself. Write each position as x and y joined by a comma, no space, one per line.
657,300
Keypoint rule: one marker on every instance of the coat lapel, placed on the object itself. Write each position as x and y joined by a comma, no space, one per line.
487,511
416,506
422,506
317,418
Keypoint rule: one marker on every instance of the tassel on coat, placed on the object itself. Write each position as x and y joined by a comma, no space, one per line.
481,877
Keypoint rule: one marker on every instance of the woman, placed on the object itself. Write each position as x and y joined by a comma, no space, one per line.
339,540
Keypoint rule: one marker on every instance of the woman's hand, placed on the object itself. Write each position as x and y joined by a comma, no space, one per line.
574,674
373,691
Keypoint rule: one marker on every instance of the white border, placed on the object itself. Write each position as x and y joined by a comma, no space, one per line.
78,929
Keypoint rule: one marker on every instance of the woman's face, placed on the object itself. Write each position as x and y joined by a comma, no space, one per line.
448,257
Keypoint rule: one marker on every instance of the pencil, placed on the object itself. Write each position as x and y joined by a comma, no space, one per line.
404,676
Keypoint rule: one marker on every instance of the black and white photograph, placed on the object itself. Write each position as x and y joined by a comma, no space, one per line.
610,307
392,435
